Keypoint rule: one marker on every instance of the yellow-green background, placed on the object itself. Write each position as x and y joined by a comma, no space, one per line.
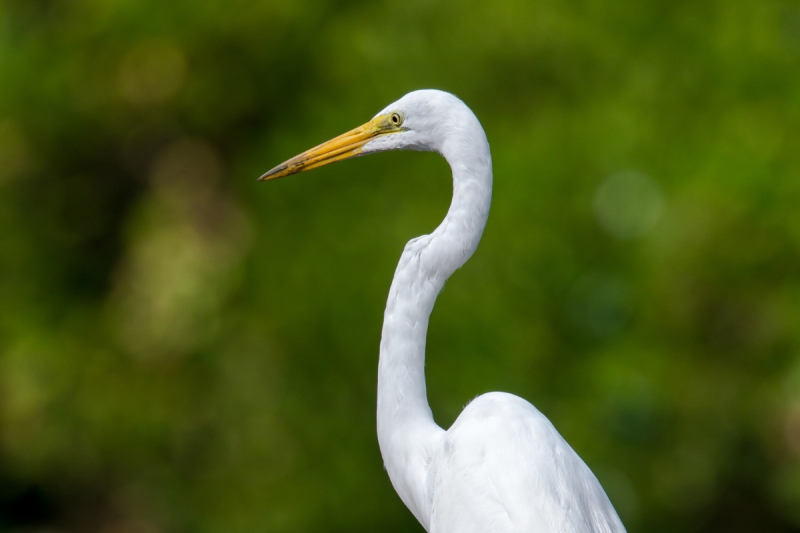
183,349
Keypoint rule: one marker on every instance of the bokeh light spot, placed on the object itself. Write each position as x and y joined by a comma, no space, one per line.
186,243
628,204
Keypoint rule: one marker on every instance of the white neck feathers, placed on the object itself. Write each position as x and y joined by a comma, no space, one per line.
406,431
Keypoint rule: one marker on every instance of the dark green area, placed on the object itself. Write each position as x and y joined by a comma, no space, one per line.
184,349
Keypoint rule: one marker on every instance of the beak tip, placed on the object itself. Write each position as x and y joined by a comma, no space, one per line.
271,173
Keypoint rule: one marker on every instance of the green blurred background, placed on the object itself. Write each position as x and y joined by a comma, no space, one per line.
183,349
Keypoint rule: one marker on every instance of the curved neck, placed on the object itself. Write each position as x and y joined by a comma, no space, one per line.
406,431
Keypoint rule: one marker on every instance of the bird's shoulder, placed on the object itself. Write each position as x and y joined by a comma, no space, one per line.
497,406
501,424
503,461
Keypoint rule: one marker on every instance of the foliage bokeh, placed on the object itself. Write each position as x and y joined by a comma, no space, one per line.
183,349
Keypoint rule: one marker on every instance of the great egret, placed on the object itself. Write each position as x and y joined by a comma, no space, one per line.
502,466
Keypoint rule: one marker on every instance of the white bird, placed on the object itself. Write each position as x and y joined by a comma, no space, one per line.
502,466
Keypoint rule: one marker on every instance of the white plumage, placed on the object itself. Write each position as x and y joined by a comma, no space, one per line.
502,466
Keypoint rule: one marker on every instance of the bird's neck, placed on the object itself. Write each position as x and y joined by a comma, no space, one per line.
407,432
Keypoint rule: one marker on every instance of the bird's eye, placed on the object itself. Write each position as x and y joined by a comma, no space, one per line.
396,119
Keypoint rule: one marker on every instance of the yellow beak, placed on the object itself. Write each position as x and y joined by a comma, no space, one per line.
344,146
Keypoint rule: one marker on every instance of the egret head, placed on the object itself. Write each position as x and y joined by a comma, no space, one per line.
418,121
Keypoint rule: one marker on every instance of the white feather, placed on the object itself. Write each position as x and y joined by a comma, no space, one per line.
502,466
